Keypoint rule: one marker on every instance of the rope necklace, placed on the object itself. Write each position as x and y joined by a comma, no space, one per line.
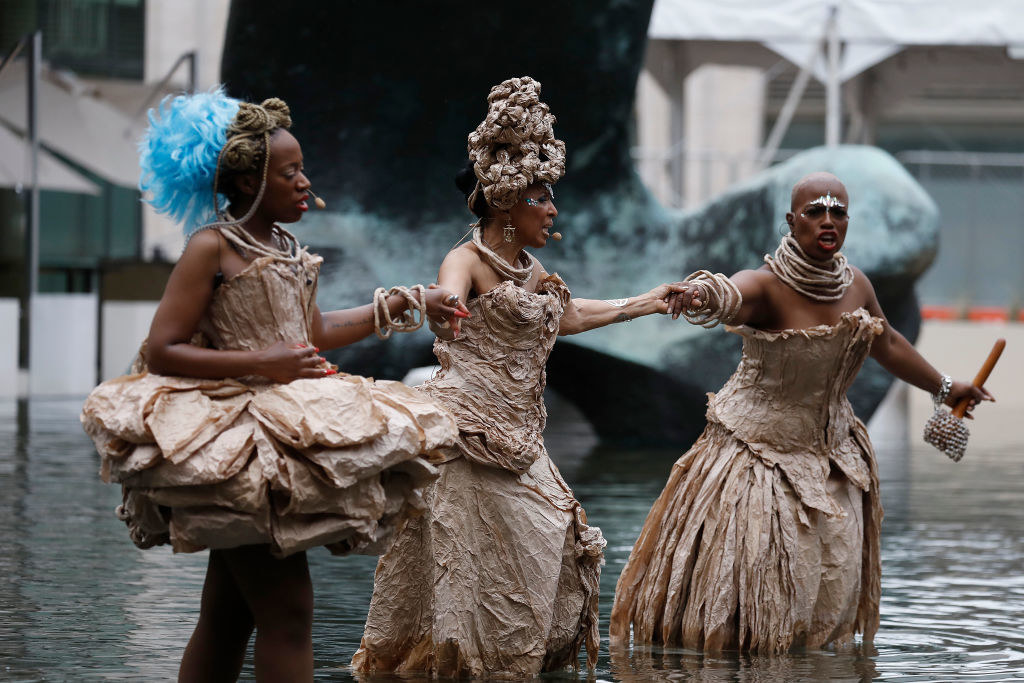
235,233
817,280
520,276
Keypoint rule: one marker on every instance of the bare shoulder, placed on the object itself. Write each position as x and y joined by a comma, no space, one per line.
861,281
461,264
202,253
203,245
463,257
762,274
862,287
760,278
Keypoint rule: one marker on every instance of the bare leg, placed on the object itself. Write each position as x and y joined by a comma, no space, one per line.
217,647
279,595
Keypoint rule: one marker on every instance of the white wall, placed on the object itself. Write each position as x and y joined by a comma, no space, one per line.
63,345
174,27
654,111
125,325
724,122
699,131
8,348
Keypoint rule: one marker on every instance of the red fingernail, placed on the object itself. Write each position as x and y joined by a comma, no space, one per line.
316,349
460,314
331,372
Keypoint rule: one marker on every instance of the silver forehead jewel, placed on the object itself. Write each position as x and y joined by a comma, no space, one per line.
828,201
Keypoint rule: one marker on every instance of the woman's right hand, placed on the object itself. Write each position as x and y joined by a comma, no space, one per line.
444,306
287,361
685,295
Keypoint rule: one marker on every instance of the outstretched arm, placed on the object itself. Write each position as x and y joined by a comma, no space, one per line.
897,355
588,314
707,295
346,326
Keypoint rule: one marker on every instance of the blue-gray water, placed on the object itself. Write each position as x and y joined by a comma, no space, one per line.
79,602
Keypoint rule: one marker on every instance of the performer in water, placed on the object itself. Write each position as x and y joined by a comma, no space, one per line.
500,575
233,434
766,536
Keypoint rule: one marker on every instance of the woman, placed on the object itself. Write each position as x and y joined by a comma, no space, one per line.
766,536
500,575
234,434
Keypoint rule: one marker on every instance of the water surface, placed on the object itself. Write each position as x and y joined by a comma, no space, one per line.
79,602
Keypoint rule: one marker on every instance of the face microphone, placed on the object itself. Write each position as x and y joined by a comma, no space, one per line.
556,236
320,204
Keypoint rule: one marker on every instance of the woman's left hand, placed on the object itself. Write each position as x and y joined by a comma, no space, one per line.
961,390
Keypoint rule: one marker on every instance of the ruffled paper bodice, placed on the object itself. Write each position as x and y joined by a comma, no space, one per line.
800,374
492,375
271,300
787,401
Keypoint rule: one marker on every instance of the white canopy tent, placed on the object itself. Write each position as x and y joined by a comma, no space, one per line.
832,40
870,30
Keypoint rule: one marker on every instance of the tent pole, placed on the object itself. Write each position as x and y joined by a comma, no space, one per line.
796,91
833,103
31,283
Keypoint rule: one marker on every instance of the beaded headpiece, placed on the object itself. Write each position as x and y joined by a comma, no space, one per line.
515,145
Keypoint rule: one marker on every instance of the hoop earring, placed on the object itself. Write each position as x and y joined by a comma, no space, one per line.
784,228
509,231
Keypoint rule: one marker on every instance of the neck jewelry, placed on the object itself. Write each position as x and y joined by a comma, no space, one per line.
520,275
817,280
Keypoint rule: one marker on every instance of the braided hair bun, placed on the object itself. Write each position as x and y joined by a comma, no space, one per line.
515,146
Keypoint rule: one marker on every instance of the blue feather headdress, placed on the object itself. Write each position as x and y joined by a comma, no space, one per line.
178,155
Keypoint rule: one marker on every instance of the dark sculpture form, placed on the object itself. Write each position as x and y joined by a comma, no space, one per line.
383,96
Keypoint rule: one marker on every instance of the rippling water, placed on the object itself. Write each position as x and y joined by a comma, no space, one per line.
79,602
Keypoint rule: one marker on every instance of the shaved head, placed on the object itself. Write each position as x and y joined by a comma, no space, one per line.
819,182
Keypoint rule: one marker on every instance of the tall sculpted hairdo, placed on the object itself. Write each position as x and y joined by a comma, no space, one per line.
515,146
193,146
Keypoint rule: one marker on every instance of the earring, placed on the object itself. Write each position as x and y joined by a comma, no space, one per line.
784,228
509,231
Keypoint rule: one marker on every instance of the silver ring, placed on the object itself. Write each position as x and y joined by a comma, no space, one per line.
451,300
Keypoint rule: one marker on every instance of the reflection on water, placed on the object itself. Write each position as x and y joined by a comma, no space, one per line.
79,602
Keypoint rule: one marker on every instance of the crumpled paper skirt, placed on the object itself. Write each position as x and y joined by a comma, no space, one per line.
340,461
500,577
731,558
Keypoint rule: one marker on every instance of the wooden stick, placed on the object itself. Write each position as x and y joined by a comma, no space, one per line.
979,380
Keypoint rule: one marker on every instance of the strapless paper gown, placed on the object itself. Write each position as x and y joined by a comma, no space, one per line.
339,461
500,575
766,535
